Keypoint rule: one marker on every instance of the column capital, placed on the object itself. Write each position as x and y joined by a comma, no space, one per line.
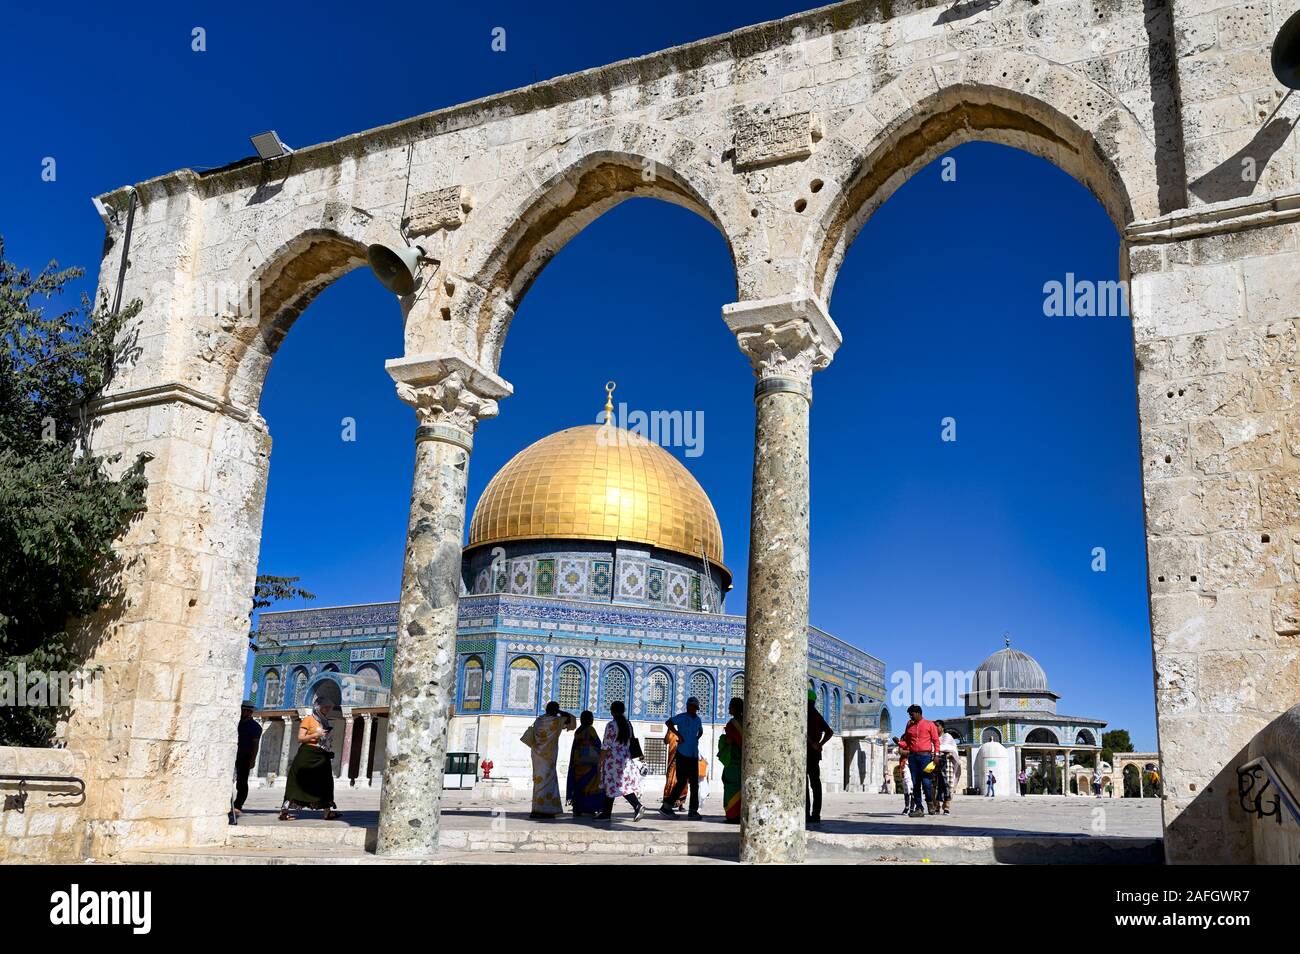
785,338
450,394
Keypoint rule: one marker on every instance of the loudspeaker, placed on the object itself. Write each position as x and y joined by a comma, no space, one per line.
396,268
1286,53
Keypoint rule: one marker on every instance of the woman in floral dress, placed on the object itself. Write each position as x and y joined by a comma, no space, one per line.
621,774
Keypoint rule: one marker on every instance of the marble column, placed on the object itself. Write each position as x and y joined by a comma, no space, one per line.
367,723
450,396
286,746
345,748
786,340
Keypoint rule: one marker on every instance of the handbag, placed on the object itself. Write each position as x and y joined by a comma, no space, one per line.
634,748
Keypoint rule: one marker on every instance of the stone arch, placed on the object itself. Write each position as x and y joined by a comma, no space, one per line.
327,689
1085,737
1015,99
272,292
521,228
1136,775
1042,736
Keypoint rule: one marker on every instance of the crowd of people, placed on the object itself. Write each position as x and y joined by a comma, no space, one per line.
606,767
931,766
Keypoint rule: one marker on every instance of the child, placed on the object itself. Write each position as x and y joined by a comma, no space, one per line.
907,782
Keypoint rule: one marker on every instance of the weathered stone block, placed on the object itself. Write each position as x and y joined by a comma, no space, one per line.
439,209
764,140
1184,301
1224,445
1247,560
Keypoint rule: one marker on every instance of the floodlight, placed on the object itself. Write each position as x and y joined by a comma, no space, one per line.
269,145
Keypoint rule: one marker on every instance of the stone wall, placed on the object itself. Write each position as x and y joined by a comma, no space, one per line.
49,828
1275,837
786,136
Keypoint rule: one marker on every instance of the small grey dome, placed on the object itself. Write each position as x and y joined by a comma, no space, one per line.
1011,669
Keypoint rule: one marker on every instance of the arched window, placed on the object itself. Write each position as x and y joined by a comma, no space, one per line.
835,710
823,702
614,687
659,695
327,690
300,688
886,720
472,680
523,684
271,689
738,686
701,687
991,735
571,680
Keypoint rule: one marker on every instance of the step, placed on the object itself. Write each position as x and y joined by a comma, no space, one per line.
574,840
290,835
987,849
339,845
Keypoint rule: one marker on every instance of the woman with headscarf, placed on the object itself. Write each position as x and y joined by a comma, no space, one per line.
584,790
620,771
670,775
949,770
729,754
543,737
310,783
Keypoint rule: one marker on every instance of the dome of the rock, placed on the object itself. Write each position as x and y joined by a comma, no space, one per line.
598,482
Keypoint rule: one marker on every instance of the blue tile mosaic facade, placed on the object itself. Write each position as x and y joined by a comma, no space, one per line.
514,653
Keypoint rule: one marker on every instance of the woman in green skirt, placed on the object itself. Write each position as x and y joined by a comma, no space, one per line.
729,752
311,776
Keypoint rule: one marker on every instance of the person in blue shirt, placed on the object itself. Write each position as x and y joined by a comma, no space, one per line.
690,729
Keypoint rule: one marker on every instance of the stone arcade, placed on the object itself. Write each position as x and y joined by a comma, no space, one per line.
786,136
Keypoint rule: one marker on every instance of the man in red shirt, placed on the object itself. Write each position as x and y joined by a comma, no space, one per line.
921,739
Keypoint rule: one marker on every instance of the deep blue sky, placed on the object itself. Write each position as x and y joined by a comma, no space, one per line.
923,551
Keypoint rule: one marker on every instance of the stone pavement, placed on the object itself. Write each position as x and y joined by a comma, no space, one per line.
857,828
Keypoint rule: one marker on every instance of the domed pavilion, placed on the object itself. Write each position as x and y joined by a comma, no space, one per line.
1011,703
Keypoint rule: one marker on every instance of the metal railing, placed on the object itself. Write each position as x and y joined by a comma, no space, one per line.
18,802
1253,784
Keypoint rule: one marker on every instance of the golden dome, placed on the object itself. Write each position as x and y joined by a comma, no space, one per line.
598,482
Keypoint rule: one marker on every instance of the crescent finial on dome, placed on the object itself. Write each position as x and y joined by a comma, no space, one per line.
609,401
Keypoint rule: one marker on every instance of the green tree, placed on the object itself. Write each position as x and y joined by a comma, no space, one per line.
60,508
1116,740
272,589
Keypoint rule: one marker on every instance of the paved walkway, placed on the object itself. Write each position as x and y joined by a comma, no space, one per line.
858,829
842,814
